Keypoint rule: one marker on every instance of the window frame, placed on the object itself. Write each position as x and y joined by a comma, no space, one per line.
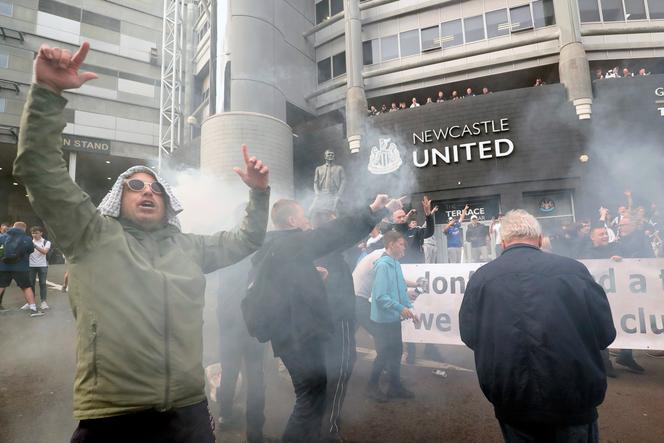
532,21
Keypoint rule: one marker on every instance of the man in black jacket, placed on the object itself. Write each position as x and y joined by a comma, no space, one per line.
414,234
299,310
537,322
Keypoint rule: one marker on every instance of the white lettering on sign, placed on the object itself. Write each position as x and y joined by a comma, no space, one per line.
458,131
501,147
659,92
661,112
482,150
473,211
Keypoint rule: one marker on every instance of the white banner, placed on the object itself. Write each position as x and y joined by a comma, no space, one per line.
635,289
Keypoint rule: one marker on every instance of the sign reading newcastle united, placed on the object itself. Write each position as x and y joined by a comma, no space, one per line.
634,288
448,150
86,144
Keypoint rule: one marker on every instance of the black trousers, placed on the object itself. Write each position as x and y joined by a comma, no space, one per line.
306,367
340,356
251,352
389,347
363,314
191,424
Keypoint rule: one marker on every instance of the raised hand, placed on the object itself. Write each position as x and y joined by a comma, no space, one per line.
255,174
57,69
426,205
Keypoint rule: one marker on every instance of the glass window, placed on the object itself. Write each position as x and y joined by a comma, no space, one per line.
656,9
589,10
430,38
370,52
389,48
612,11
6,9
4,61
339,64
521,18
2,104
474,27
635,10
324,70
543,13
451,33
322,11
336,6
410,42
497,23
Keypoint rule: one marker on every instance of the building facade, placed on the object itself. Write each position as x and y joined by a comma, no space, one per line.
329,60
112,122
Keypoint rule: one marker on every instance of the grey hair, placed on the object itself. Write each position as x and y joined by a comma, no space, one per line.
519,224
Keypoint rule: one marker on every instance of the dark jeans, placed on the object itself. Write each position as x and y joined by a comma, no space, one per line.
306,367
251,352
535,433
363,314
191,424
41,272
340,355
389,347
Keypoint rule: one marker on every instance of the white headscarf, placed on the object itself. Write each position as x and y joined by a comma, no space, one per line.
110,205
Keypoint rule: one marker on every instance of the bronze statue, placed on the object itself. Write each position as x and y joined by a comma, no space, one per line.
329,184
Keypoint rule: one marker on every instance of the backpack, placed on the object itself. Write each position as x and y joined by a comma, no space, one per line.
260,304
13,249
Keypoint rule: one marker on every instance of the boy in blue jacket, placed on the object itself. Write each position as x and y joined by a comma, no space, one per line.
389,305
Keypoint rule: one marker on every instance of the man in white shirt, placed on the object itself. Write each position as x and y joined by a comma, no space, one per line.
39,263
363,277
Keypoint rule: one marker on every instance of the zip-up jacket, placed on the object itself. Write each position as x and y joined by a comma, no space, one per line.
537,322
137,296
389,292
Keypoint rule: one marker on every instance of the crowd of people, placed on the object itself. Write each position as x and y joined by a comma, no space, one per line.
23,259
439,98
617,72
138,285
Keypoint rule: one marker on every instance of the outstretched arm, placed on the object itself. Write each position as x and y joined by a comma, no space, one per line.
67,211
228,247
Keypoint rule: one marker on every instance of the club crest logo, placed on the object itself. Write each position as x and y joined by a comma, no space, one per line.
385,157
547,205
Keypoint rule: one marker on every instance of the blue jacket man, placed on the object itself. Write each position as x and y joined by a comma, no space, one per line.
389,304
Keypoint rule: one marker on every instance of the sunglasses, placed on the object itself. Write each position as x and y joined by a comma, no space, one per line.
137,185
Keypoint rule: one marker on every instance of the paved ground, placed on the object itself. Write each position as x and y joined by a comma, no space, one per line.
37,365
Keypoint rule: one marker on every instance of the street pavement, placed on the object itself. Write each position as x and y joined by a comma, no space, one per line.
37,358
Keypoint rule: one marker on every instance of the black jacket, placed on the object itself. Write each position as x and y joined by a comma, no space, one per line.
415,239
300,305
537,322
339,286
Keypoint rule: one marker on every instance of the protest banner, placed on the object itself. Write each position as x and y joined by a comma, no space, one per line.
634,287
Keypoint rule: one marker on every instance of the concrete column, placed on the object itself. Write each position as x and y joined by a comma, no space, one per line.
573,66
356,100
258,107
268,138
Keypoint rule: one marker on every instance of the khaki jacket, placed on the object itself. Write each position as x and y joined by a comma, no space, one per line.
137,296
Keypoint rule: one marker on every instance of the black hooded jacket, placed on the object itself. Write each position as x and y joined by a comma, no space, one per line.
300,309
537,322
415,239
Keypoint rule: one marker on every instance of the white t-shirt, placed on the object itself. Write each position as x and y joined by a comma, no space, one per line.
496,232
37,259
363,275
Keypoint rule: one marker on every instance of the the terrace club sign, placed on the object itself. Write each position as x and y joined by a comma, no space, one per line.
468,151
